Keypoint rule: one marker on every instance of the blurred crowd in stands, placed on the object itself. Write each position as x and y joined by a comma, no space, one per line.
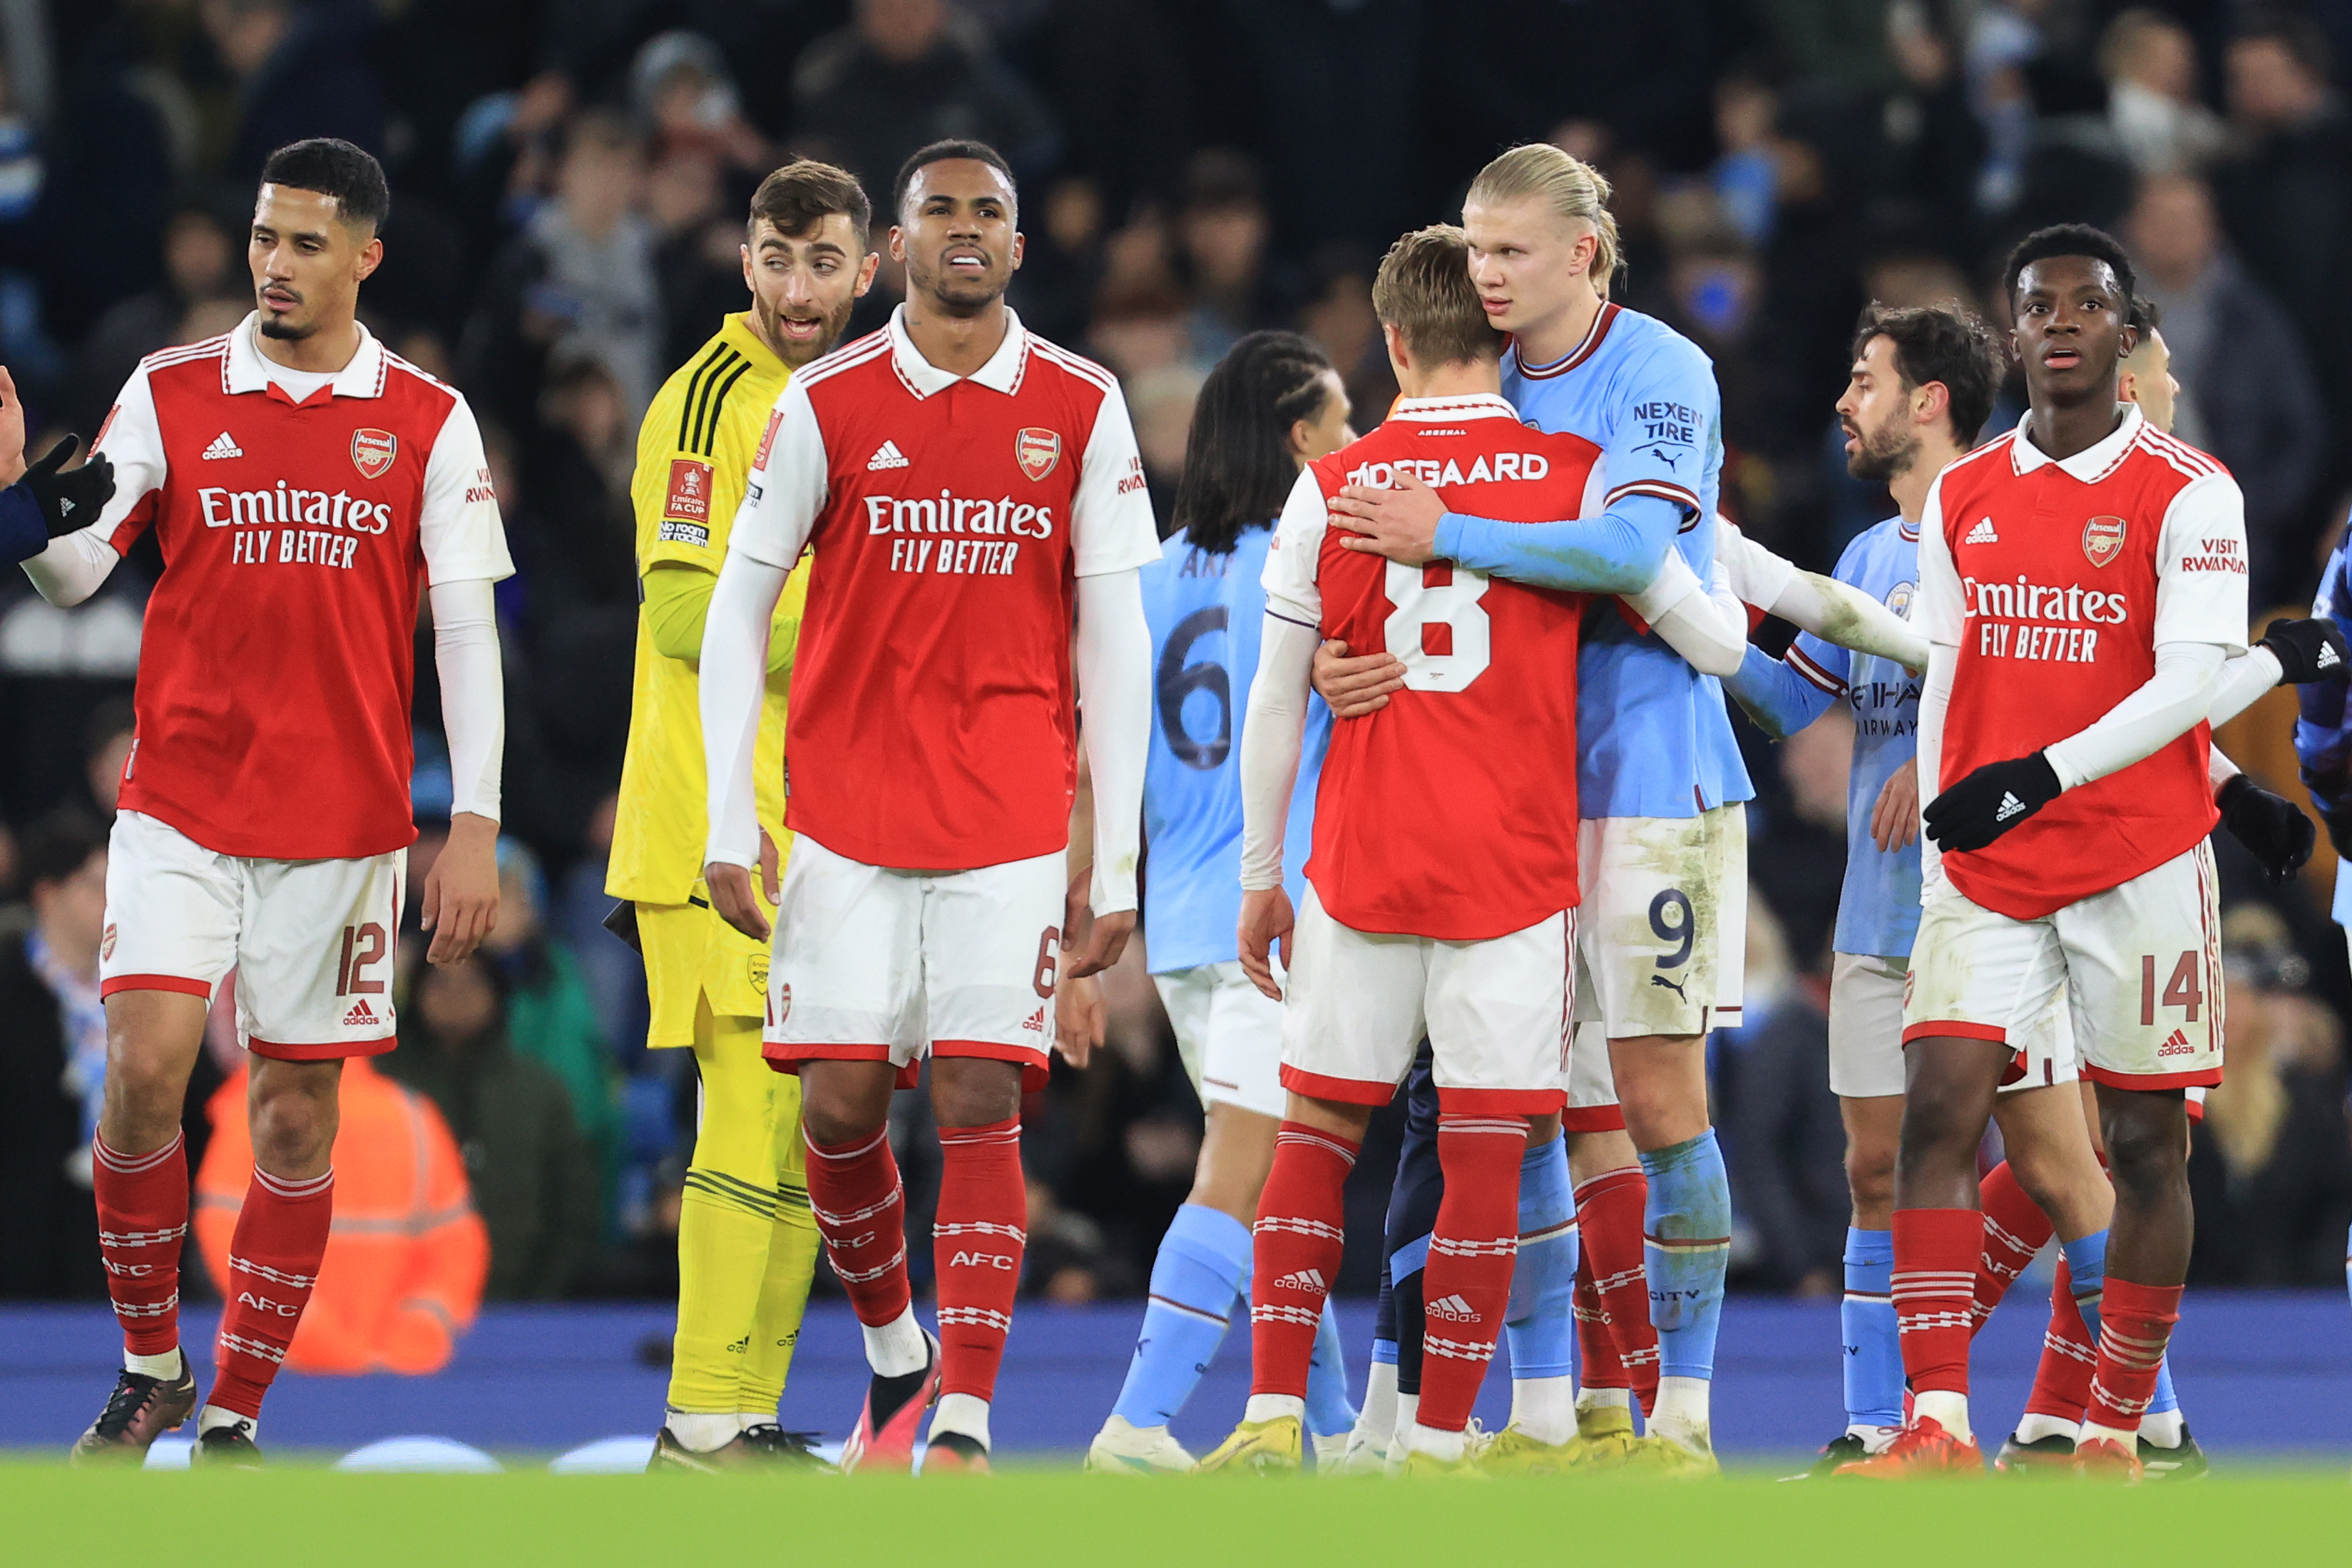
569,178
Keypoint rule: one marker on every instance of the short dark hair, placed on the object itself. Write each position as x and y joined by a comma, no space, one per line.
802,195
2299,37
1945,343
2071,239
348,175
939,153
1238,468
60,844
1423,290
2146,316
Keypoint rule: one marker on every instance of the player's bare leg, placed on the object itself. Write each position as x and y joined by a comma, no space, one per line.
976,1244
1686,1227
1948,1101
2146,1137
140,1172
861,1212
1297,1241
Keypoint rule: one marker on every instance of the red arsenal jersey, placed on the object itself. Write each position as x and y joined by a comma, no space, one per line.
933,708
1452,812
2050,583
279,651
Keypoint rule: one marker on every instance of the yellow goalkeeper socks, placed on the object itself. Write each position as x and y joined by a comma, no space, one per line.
784,1297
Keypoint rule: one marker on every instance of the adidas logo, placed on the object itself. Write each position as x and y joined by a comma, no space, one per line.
1303,1280
888,456
1036,1021
2010,806
223,447
2327,659
1452,1310
2177,1045
360,1013
1982,534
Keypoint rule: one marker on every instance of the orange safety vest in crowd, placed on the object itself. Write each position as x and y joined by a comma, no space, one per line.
407,1255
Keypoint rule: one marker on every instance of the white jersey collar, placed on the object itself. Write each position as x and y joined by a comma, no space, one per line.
1478,405
1002,373
2091,465
247,370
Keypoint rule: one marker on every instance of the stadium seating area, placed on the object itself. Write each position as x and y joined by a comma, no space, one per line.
568,182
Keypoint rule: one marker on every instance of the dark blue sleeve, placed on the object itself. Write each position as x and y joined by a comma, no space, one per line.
2323,737
24,531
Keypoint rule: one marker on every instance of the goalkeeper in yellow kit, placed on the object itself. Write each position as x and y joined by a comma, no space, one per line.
747,1244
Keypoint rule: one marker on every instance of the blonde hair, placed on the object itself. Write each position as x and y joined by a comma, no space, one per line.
1569,185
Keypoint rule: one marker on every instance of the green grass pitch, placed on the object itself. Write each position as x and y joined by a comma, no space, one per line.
316,1519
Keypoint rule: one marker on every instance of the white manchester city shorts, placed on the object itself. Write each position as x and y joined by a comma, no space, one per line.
1662,935
2138,968
311,941
1229,1034
1495,1012
1866,1033
876,965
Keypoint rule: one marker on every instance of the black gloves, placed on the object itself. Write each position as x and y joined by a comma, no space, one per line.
1990,801
2273,830
70,499
2310,650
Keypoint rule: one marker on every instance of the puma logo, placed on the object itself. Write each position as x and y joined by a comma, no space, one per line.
1674,986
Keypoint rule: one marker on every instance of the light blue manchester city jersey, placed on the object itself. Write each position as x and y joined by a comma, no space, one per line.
1207,614
1652,733
1878,909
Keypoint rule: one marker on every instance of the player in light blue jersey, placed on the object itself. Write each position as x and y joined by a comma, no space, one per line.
1271,406
1663,855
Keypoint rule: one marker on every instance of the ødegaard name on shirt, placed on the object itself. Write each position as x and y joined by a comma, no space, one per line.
1503,466
328,534
984,536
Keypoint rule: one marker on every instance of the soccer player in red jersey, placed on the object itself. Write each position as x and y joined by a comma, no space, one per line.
2082,580
1461,926
969,490
305,483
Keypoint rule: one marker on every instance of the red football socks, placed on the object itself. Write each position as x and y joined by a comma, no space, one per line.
1466,1286
1297,1246
273,1262
976,1245
2062,1384
1619,1344
2014,1230
2135,1325
861,1212
143,1218
1936,1256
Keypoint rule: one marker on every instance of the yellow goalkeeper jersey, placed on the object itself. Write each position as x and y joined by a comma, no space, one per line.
694,451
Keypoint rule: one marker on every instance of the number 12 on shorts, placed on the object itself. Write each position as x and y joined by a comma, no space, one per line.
363,947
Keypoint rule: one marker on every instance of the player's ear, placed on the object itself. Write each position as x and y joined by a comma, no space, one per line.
371,257
897,244
1020,248
865,271
746,252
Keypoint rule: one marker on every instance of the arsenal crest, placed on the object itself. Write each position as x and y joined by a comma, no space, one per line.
373,451
1036,451
2103,539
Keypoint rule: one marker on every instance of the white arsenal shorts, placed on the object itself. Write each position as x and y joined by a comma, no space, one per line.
1661,933
1591,1084
1866,1033
311,941
1229,1034
2137,968
876,965
1495,1012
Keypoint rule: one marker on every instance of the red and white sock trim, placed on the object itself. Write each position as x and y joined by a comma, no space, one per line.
134,1164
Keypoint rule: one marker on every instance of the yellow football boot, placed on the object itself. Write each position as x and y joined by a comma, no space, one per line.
1661,1455
1258,1448
1419,1466
1512,1452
